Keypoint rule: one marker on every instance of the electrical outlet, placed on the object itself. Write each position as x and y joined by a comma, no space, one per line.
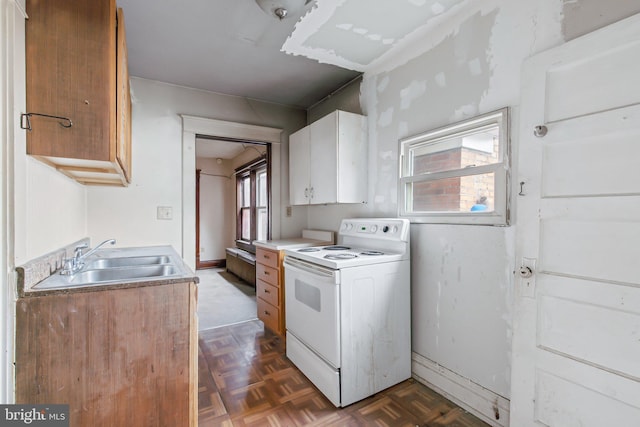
288,210
165,212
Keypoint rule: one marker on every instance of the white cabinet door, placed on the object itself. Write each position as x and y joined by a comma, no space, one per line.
324,158
576,343
327,161
299,167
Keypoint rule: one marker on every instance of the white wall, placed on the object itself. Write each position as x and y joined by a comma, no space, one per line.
217,208
129,214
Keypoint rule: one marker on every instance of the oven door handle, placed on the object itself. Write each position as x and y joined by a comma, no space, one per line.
308,267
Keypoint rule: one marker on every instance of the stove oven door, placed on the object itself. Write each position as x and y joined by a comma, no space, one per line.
312,307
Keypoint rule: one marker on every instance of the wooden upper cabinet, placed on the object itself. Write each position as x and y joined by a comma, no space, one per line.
123,109
76,64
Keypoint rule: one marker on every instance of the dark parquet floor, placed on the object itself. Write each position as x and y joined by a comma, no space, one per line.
245,379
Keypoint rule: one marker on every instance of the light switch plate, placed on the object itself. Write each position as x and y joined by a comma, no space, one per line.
165,212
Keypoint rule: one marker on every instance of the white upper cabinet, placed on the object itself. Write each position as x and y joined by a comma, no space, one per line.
327,161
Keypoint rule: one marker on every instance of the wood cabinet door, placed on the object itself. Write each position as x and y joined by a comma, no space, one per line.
123,117
121,357
70,69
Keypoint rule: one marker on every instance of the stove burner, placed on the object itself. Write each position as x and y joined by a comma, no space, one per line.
336,248
341,256
309,250
372,253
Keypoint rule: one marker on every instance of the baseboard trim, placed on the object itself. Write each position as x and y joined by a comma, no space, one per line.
481,402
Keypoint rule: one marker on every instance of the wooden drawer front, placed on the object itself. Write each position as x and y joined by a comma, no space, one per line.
269,315
268,292
266,257
268,274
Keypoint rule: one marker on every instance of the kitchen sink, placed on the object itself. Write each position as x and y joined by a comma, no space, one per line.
144,266
102,275
129,261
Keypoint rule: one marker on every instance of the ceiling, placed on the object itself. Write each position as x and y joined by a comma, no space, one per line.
234,47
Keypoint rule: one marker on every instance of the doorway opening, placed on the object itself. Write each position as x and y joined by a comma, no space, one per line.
233,196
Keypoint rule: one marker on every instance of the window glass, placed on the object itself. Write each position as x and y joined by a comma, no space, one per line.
457,174
253,202
261,205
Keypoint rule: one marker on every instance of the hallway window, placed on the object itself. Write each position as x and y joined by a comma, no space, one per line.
252,202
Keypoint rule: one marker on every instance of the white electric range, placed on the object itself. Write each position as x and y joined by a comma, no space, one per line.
348,309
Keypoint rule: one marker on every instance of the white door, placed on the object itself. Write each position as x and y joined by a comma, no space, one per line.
576,344
299,167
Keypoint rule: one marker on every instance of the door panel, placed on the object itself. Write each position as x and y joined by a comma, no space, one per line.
602,151
587,85
556,397
576,341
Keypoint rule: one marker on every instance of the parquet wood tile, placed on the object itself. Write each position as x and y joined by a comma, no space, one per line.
245,379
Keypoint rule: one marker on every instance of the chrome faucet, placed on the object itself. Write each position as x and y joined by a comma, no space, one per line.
75,264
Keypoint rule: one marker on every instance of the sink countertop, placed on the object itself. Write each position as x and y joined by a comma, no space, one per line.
56,283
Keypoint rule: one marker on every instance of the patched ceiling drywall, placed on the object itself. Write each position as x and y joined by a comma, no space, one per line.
358,34
233,47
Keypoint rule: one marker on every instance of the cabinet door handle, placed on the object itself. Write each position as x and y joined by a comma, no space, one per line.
267,291
266,273
311,191
306,192
267,313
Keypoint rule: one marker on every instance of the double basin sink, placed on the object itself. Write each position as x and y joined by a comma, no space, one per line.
123,268
126,265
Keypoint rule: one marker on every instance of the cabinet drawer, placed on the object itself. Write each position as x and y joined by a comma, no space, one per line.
268,274
268,292
266,257
269,315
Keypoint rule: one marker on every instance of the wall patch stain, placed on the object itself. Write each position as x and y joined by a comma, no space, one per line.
384,82
437,8
475,67
435,73
386,117
414,91
346,27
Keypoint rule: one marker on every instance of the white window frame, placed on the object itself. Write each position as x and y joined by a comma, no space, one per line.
500,214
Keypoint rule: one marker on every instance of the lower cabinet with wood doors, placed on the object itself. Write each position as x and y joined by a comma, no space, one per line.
117,356
270,289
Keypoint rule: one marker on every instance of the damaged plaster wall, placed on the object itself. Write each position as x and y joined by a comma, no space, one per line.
462,276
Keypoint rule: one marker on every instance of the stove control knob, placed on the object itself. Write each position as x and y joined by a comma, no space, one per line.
385,229
395,229
374,228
